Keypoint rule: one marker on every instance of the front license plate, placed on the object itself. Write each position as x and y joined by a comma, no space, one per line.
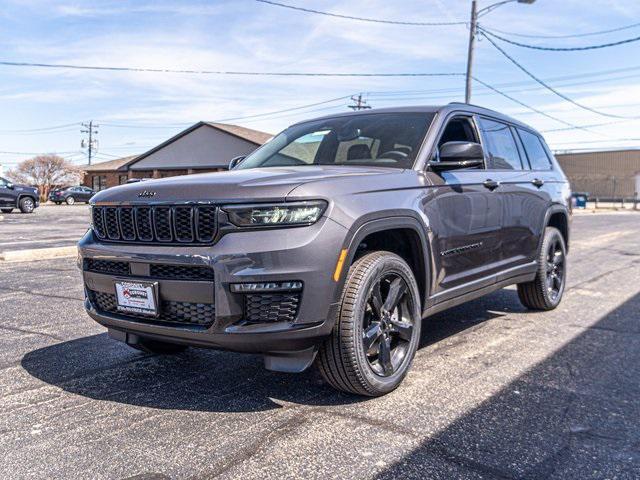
137,297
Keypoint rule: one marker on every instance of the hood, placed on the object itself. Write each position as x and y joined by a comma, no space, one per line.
255,184
19,187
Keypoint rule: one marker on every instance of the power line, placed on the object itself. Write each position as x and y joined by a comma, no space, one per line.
221,72
360,19
558,49
574,35
546,85
536,110
43,129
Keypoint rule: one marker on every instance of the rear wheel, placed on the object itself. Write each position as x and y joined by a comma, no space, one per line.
27,205
70,200
545,291
6,210
378,328
148,345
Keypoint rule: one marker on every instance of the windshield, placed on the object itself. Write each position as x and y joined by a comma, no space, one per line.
376,139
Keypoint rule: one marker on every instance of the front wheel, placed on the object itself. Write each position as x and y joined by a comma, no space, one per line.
377,330
545,291
27,205
70,200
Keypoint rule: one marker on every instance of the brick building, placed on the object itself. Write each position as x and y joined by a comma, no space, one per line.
203,147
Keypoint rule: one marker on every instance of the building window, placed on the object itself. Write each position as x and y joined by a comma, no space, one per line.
122,179
99,182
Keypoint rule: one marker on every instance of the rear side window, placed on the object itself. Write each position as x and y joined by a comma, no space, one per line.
500,146
536,152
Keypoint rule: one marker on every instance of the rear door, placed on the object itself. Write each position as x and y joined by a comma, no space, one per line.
524,205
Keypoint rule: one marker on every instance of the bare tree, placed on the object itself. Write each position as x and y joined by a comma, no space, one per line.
45,172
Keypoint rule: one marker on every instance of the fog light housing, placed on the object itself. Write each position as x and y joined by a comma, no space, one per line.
288,286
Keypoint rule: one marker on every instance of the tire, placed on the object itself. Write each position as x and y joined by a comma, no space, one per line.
545,291
70,200
6,210
343,360
27,205
155,346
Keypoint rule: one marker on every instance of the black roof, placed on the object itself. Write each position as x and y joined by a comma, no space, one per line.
451,107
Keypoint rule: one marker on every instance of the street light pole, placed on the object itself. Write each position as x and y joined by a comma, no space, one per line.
473,31
472,41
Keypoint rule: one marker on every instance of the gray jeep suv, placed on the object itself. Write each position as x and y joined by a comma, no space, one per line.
333,241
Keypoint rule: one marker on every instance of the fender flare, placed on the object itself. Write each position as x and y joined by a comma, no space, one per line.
368,225
556,208
22,195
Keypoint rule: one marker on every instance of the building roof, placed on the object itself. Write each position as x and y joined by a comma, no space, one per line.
247,134
110,165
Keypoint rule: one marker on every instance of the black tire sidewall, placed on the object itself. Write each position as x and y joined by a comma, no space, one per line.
385,264
551,234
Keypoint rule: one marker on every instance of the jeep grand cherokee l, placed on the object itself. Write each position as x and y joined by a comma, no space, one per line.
333,241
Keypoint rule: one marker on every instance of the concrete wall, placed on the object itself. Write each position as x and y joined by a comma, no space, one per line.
204,147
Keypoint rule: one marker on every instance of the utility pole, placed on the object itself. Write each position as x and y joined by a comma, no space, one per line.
472,40
91,143
360,103
473,32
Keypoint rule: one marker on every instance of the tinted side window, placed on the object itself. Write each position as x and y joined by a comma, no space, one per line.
500,145
3,182
535,151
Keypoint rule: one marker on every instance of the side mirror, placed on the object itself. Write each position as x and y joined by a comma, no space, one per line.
10,185
456,155
235,161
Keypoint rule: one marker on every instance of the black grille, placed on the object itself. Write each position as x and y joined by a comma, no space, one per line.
158,224
271,307
106,266
181,272
156,270
185,313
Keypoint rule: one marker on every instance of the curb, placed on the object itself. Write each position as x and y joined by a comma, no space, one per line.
38,254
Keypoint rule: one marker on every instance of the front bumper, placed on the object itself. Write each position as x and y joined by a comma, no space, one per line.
304,254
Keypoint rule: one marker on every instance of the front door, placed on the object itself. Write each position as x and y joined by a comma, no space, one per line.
7,195
466,219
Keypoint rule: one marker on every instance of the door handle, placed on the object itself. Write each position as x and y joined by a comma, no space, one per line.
491,184
537,182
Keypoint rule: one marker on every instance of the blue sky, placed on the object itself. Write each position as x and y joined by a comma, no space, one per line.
139,110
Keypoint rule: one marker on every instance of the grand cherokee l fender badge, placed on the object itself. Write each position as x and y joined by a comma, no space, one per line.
464,248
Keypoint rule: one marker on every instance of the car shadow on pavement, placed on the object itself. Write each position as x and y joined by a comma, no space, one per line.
574,415
101,368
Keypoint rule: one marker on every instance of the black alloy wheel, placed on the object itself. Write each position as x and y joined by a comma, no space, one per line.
387,324
377,329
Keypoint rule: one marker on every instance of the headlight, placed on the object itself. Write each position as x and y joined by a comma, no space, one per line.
298,213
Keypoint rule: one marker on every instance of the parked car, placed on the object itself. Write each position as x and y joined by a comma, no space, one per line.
334,241
14,195
71,195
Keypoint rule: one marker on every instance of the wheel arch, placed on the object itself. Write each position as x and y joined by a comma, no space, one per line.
23,195
381,233
557,216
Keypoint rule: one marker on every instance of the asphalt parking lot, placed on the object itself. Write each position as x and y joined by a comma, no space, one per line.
47,226
495,391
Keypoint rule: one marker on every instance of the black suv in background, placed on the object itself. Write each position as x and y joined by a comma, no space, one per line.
334,242
13,195
71,195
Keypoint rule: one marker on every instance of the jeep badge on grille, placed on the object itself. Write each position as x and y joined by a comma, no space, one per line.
146,194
